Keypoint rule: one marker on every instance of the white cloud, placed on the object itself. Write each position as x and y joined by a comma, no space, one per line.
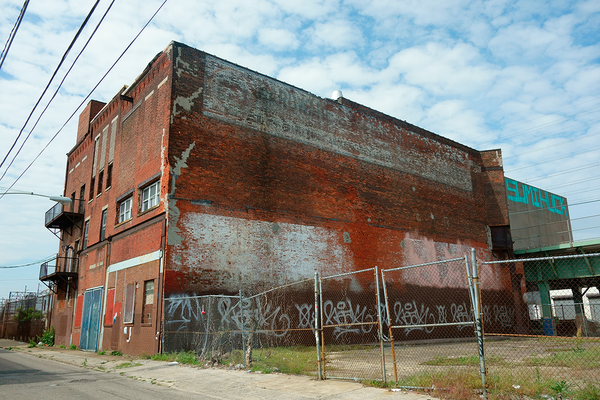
338,34
442,70
278,39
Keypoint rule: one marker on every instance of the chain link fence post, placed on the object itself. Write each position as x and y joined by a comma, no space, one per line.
389,322
478,321
317,328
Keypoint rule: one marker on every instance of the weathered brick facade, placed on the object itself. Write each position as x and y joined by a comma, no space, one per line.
261,183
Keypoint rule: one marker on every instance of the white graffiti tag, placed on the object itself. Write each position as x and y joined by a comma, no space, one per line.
345,317
410,314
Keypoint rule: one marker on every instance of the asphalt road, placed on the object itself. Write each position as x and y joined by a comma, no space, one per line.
25,377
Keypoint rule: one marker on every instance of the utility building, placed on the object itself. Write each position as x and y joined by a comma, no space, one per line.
204,177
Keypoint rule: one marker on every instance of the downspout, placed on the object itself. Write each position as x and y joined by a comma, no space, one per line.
160,295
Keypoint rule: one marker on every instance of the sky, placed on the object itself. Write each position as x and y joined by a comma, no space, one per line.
520,76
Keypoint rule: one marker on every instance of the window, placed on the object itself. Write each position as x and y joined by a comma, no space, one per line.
81,198
100,178
103,226
85,234
149,292
109,176
92,186
150,195
129,304
125,210
148,302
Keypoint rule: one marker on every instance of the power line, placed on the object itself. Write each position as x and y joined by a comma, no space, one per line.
568,140
62,81
85,99
536,118
49,258
13,33
539,178
554,159
43,93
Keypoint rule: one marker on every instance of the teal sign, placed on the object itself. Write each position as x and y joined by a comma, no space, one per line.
522,193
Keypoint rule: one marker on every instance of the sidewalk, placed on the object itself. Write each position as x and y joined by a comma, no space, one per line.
224,383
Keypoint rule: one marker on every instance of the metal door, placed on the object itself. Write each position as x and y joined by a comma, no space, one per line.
90,321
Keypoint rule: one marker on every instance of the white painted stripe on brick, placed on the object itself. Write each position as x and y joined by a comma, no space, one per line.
133,262
163,82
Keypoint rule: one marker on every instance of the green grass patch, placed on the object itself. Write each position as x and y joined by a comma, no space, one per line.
572,358
298,360
464,361
116,353
72,347
182,357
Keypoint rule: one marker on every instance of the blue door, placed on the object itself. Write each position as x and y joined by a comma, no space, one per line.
90,319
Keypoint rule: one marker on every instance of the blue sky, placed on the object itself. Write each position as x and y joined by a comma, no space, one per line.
521,76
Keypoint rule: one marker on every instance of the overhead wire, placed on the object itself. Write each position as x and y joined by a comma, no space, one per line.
61,82
86,97
43,93
13,33
46,259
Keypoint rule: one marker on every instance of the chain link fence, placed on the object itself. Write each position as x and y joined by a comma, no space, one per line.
269,331
546,333
420,326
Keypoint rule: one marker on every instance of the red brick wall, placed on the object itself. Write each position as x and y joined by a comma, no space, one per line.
270,183
140,134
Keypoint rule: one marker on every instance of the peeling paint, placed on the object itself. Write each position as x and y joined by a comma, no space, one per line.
174,237
185,102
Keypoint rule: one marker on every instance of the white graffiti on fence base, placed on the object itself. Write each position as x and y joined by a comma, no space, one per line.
410,314
504,315
460,313
183,310
343,316
265,316
306,316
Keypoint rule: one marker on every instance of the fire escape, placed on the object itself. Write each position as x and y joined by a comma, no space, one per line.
61,272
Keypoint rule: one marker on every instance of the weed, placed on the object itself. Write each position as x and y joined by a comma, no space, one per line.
560,386
72,347
85,362
127,364
61,347
9,348
116,353
47,337
32,343
101,353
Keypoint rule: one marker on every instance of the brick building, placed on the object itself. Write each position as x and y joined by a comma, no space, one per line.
205,177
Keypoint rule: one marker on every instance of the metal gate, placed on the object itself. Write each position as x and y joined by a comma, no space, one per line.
90,322
350,315
433,303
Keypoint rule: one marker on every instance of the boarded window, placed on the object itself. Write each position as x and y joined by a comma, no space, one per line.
129,304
